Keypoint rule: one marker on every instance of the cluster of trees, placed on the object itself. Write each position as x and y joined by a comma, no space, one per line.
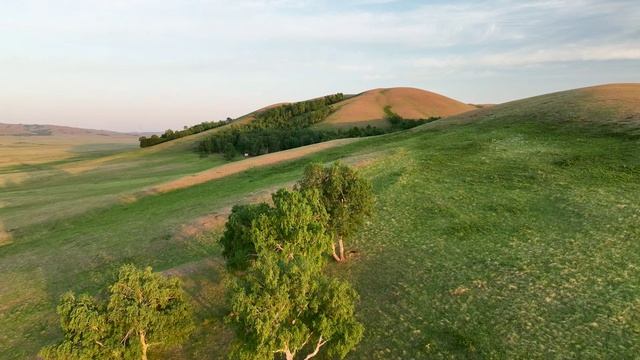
279,128
296,115
144,310
282,302
287,127
254,142
399,123
171,134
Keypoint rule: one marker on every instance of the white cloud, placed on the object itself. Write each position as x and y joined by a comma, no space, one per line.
533,57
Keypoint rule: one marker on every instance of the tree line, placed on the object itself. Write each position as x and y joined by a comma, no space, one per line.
171,134
285,129
282,303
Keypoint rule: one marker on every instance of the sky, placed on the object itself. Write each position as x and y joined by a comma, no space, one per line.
150,65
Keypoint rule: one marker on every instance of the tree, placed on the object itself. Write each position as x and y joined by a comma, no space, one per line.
294,226
346,196
88,334
150,309
237,243
229,151
283,303
291,308
144,310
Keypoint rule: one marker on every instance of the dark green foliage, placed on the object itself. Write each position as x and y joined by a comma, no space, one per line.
144,310
284,304
399,123
148,309
287,307
87,332
294,227
237,244
346,196
279,128
171,135
229,151
288,126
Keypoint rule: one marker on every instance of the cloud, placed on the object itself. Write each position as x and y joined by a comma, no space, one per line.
248,52
533,57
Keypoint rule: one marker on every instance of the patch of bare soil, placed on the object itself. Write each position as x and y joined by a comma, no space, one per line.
242,165
409,103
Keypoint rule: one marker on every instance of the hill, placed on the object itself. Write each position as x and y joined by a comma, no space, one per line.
37,144
617,105
336,115
505,232
53,130
367,108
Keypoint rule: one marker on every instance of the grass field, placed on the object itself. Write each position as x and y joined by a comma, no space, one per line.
17,149
510,232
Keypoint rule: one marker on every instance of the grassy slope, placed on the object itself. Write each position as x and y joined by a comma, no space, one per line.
503,233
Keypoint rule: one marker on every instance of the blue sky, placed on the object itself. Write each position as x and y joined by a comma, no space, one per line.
154,64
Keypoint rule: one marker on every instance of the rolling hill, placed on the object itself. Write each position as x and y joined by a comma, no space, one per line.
37,144
617,105
503,232
367,108
54,130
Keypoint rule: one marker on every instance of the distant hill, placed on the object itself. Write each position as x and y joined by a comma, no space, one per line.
48,130
410,103
36,144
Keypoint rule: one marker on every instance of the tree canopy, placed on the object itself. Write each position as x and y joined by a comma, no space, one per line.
346,196
283,303
144,310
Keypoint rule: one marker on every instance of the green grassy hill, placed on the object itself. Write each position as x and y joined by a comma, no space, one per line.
505,232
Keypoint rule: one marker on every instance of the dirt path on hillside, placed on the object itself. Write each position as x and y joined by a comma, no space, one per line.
242,165
217,219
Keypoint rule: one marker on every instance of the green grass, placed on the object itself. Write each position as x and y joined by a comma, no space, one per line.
511,237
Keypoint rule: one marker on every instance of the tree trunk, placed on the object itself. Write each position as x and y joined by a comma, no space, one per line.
143,346
335,254
338,255
317,349
288,355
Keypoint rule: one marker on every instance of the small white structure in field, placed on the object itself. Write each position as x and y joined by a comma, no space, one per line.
246,154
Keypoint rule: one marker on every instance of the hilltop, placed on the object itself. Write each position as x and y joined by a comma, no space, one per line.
367,108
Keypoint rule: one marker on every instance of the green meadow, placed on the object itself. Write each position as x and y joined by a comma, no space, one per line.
509,232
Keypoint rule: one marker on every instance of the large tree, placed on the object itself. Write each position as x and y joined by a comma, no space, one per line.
346,196
292,309
144,310
88,334
295,225
148,310
283,303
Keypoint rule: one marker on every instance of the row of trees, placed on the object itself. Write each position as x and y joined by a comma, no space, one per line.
286,127
296,115
171,134
281,299
279,128
282,302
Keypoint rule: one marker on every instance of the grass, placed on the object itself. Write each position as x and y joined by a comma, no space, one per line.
503,243
514,236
